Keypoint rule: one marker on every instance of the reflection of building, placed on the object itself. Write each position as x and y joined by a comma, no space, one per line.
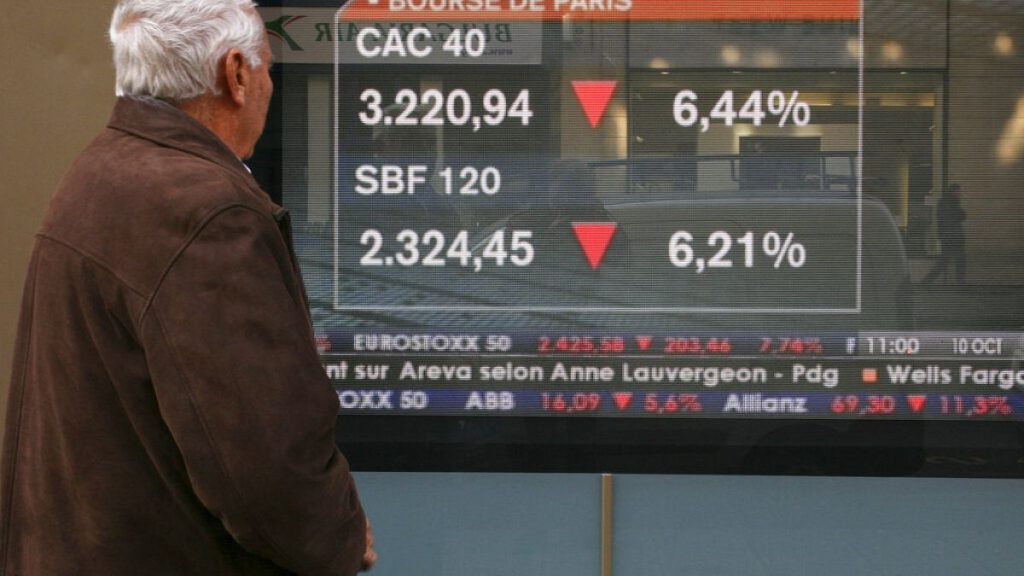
941,97
941,103
818,64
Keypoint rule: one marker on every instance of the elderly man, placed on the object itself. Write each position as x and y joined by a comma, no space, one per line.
168,413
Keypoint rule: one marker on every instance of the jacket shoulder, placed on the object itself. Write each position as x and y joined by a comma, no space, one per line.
132,204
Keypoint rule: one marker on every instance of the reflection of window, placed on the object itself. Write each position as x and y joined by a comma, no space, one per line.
780,163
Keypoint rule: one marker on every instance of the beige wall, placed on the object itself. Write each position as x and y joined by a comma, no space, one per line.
57,92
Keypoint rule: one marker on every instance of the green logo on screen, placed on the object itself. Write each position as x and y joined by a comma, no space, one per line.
277,27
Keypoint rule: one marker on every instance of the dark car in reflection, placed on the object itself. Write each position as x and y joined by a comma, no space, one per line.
694,244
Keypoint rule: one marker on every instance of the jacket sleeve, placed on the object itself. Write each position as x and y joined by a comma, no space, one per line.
243,393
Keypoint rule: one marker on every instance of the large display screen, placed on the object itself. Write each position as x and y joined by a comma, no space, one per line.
725,210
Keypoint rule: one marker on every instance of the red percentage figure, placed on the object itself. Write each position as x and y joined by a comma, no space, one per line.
992,406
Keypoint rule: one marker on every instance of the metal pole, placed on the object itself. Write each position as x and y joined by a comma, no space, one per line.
606,524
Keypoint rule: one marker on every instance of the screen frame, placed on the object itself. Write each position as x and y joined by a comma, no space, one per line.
751,446
740,446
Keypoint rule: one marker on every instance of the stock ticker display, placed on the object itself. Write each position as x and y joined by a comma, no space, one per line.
635,209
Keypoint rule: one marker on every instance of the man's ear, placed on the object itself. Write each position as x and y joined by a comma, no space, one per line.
236,76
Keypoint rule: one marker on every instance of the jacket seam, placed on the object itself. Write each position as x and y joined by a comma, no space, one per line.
253,520
148,304
94,259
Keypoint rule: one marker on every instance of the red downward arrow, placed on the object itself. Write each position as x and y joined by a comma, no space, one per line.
644,342
622,399
594,238
916,403
594,96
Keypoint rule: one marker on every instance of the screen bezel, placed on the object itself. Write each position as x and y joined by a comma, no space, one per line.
731,446
751,446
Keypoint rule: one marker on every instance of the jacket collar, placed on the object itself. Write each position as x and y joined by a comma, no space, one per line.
164,124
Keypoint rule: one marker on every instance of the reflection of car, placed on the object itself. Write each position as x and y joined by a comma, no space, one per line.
837,282
810,255
740,259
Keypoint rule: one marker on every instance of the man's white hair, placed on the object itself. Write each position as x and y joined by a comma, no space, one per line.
171,49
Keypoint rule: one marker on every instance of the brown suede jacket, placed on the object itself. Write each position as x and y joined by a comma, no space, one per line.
168,413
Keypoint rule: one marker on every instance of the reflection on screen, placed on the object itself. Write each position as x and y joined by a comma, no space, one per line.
644,209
